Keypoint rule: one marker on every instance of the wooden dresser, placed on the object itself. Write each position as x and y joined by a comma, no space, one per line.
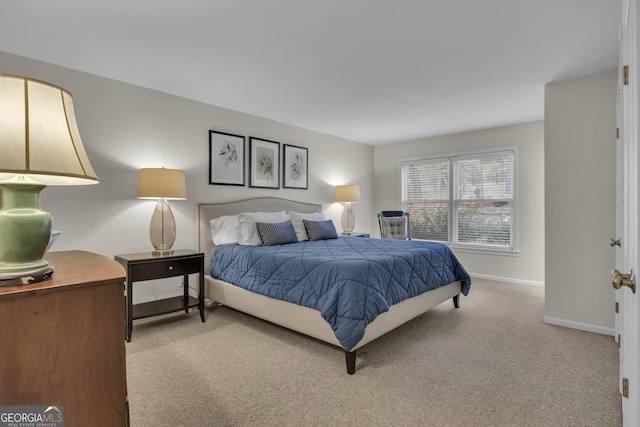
62,341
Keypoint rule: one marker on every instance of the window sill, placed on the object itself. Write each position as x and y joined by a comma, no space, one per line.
477,250
500,252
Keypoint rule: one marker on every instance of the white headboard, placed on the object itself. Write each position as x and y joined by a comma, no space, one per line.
209,211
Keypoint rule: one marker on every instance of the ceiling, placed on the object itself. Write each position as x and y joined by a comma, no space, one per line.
373,71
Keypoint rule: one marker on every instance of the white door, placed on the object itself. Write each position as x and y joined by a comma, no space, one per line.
627,258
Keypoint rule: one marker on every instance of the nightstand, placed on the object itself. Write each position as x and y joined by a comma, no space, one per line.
354,234
145,266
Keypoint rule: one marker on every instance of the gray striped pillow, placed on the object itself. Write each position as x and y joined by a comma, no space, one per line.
279,233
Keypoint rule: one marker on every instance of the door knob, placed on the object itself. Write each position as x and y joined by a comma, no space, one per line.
618,280
615,242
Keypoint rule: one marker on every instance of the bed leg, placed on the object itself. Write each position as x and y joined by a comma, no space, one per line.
350,356
456,301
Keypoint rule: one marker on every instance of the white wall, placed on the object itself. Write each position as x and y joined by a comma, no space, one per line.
126,127
528,266
580,172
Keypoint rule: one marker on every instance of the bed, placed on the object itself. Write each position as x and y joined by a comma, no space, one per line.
300,316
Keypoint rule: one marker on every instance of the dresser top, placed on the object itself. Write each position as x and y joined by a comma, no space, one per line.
71,268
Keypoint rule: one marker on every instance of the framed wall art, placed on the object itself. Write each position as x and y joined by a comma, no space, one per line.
295,167
264,166
226,158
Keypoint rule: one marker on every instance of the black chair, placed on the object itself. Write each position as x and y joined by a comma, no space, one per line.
394,225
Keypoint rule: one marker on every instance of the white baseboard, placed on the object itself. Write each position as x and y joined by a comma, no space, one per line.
579,325
546,319
508,279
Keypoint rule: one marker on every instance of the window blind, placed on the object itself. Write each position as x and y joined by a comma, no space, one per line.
465,199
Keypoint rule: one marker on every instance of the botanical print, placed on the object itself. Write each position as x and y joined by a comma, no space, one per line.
295,167
264,163
226,165
228,153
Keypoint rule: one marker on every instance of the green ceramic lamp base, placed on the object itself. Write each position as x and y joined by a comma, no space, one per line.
25,230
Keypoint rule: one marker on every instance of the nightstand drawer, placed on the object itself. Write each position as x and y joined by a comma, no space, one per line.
168,268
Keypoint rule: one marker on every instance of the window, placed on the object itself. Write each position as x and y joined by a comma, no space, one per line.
464,200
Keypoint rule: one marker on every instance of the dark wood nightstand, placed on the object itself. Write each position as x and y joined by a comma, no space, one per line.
145,266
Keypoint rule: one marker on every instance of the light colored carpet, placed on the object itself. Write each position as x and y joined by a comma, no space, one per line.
490,363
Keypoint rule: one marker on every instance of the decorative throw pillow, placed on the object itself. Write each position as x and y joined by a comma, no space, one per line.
247,231
297,217
279,233
320,230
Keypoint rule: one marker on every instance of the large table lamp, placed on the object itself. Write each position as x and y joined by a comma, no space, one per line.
347,194
40,145
162,184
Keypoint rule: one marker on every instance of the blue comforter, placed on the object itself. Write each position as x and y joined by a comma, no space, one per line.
350,281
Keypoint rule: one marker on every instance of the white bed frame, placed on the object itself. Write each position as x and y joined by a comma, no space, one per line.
298,318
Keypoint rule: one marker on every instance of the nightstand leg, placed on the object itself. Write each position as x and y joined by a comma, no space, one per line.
129,308
201,294
185,283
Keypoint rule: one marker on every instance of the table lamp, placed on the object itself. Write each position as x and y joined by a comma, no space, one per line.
347,194
162,184
40,145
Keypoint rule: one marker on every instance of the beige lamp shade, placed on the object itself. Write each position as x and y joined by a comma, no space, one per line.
39,137
161,183
346,194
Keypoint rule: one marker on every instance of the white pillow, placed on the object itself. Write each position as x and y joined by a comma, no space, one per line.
223,230
297,217
247,232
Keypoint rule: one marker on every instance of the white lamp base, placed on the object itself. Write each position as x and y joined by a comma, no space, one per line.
348,219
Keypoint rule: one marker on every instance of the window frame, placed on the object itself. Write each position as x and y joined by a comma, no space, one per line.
453,201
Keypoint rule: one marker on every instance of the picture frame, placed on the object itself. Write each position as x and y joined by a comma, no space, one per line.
226,158
295,167
264,163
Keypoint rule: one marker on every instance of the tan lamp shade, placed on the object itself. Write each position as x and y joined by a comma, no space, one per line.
39,137
161,183
346,193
